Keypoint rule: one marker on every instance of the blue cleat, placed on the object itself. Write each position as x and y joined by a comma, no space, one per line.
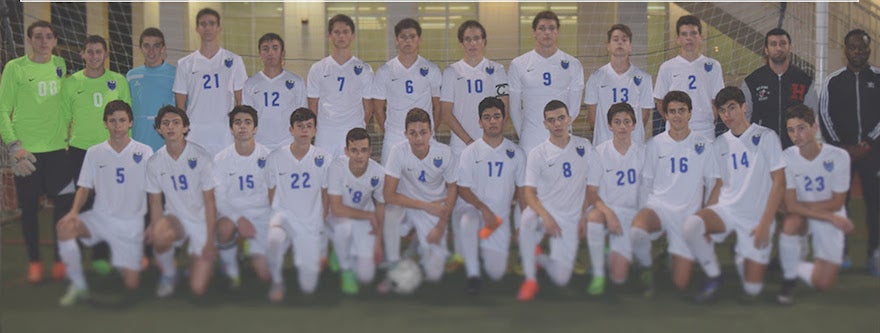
709,291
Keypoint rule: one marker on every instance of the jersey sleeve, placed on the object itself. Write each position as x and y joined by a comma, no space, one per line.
841,176
206,176
594,169
394,165
181,79
248,98
591,92
152,182
533,169
87,172
451,172
272,170
772,150
313,87
436,81
466,168
301,93
717,80
514,90
239,74
712,169
576,89
379,86
501,81
447,89
379,191
646,98
520,161
650,162
661,86
8,97
789,173
336,178
124,89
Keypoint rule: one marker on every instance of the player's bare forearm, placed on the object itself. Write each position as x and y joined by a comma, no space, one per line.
341,210
811,209
379,112
591,114
449,118
380,220
534,203
368,110
79,199
521,198
658,103
777,191
394,198
210,213
155,203
646,119
468,196
271,194
180,101
237,94
451,196
313,104
716,192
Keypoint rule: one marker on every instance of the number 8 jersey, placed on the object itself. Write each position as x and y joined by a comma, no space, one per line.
559,176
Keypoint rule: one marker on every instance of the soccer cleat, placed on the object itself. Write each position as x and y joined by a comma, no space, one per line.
709,291
234,283
333,262
873,263
145,263
454,263
276,292
349,283
35,272
102,267
647,280
597,286
527,291
473,285
59,271
166,286
384,286
73,295
786,293
579,268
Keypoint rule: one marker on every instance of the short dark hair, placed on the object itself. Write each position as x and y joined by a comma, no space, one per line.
677,96
118,105
623,28
340,18
302,115
470,24
545,15
207,11
621,108
417,115
802,112
357,134
776,32
729,93
688,20
859,33
407,23
151,32
491,102
39,24
553,105
268,37
95,39
170,109
242,109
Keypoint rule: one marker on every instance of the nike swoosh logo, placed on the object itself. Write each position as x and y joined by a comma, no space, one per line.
608,170
480,161
161,174
232,173
551,165
676,75
661,157
30,79
195,72
530,69
459,78
79,91
603,86
327,75
101,166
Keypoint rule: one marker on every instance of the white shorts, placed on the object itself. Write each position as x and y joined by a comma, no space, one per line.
671,222
194,231
827,241
621,244
424,222
562,249
743,224
352,239
499,241
260,221
305,236
125,237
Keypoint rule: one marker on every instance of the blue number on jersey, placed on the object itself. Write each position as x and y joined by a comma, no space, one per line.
682,164
207,78
295,178
743,160
566,170
409,86
274,101
630,176
179,183
820,184
624,95
692,82
245,182
120,175
357,196
547,80
498,166
341,80
422,177
477,86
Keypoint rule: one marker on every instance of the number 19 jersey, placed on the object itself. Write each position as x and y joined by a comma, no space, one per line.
182,181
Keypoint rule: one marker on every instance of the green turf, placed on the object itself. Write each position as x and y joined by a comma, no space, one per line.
851,306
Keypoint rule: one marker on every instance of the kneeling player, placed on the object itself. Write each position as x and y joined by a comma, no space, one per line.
555,191
613,184
817,180
116,171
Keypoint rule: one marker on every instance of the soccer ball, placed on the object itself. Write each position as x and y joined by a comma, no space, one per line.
405,277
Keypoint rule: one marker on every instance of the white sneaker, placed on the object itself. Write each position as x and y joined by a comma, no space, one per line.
73,295
166,286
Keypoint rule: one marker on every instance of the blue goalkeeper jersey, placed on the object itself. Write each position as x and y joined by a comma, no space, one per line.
150,91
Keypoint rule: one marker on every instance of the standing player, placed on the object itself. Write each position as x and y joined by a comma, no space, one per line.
678,163
817,179
751,168
338,88
37,137
355,190
116,170
420,180
298,192
207,83
150,86
694,73
619,81
274,92
488,198
242,194
405,82
613,187
181,172
555,191
539,76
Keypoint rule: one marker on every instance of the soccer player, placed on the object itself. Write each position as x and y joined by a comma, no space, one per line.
619,81
420,181
116,171
615,177
405,82
355,188
298,192
242,194
487,197
694,73
274,92
37,137
150,86
207,83
555,191
181,171
539,76
678,163
338,88
817,179
749,157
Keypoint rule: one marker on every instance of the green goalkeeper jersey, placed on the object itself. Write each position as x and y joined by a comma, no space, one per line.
30,104
84,99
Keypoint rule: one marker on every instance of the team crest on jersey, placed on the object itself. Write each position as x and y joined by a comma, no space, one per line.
423,71
708,66
228,62
829,165
261,162
580,150
111,84
137,157
319,160
699,148
58,71
637,80
510,153
438,161
763,93
289,84
490,70
358,69
564,64
756,138
193,162
374,181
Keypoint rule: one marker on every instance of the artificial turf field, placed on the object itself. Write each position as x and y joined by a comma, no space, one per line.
853,305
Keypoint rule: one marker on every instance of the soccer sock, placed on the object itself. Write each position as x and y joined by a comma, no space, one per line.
641,246
789,255
494,263
433,263
529,236
308,280
366,270
752,289
457,232
467,237
391,232
740,264
275,252
805,272
596,244
70,255
342,239
230,263
166,263
694,234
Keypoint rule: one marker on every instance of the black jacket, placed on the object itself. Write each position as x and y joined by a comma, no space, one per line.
849,106
769,95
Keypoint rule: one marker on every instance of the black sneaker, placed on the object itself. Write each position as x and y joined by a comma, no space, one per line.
709,291
473,285
786,294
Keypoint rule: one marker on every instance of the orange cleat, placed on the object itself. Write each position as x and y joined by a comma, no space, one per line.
145,263
527,291
59,271
35,272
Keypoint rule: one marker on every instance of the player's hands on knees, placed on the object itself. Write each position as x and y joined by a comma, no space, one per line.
436,208
375,225
613,224
582,228
70,217
842,223
209,252
437,233
551,228
246,229
378,253
762,236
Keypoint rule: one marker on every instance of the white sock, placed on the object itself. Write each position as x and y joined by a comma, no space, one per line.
277,246
740,264
433,263
467,241
391,232
641,246
72,259
308,280
230,262
752,289
166,263
365,270
789,255
596,244
494,263
694,230
529,236
805,272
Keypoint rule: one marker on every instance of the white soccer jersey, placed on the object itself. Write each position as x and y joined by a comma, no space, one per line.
617,176
677,171
340,90
701,79
298,183
819,179
118,179
605,88
423,179
357,192
535,81
404,89
493,174
182,181
275,99
745,163
560,176
209,86
242,182
465,87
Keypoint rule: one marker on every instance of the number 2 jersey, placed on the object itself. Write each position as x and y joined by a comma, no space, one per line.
182,181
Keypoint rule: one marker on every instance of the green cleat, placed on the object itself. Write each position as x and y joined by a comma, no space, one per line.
73,295
597,286
349,283
455,262
333,262
647,279
102,267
